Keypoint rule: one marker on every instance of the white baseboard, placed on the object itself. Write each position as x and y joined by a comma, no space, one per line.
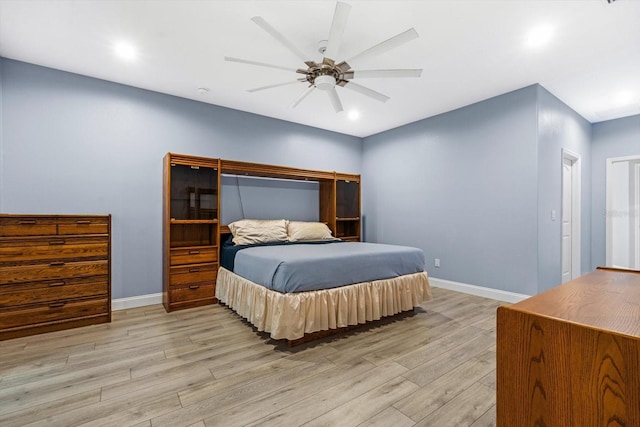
137,301
497,294
479,291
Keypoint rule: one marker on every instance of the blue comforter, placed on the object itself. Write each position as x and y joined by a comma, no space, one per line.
307,267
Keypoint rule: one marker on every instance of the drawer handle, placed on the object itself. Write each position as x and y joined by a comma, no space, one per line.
194,287
56,304
83,221
194,252
27,222
53,285
194,270
56,264
57,242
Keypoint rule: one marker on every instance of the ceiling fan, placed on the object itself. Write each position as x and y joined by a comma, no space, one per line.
328,74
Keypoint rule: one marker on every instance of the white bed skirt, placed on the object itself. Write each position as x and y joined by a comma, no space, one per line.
290,316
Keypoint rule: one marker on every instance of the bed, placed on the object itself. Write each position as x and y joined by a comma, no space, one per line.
293,287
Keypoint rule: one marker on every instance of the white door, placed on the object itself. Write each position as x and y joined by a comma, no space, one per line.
635,217
567,217
571,206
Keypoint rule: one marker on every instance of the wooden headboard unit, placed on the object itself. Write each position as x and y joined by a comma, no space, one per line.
192,234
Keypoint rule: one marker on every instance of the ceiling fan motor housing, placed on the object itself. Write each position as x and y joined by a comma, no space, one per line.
323,76
325,82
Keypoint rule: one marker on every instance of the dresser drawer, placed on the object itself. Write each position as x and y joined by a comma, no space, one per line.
53,248
27,226
187,293
194,255
196,273
53,270
53,311
53,290
89,225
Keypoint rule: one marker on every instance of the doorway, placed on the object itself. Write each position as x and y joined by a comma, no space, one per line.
570,216
622,215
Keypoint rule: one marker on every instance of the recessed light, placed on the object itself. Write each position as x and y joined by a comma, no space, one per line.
354,115
623,98
125,51
539,36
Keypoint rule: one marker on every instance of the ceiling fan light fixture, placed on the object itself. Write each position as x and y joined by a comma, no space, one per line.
325,82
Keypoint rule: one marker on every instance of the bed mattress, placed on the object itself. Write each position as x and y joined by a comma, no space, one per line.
308,267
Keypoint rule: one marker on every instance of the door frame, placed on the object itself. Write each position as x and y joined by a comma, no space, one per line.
576,213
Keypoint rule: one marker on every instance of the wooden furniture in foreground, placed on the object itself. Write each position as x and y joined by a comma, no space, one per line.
54,272
570,356
190,231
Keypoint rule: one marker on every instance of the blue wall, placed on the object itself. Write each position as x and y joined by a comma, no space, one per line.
613,138
559,127
247,197
473,187
462,186
75,144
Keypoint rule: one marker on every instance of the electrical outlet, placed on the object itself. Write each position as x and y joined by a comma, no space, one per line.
437,262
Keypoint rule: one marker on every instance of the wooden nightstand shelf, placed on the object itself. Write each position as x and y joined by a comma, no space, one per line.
340,206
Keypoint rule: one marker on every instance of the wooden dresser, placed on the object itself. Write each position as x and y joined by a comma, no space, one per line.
55,272
570,356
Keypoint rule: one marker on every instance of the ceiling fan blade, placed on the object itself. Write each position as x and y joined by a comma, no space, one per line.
302,96
282,39
384,46
365,91
274,85
369,74
260,64
337,29
335,99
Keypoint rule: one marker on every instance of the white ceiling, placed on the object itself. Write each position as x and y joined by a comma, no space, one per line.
470,50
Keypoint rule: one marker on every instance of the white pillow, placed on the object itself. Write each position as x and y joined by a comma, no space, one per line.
253,231
301,230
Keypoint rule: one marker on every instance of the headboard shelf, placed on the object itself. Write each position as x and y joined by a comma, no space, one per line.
232,167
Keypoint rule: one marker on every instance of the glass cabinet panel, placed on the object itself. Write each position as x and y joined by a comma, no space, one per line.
194,192
347,199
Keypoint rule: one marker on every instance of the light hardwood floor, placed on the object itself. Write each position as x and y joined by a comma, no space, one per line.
206,367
